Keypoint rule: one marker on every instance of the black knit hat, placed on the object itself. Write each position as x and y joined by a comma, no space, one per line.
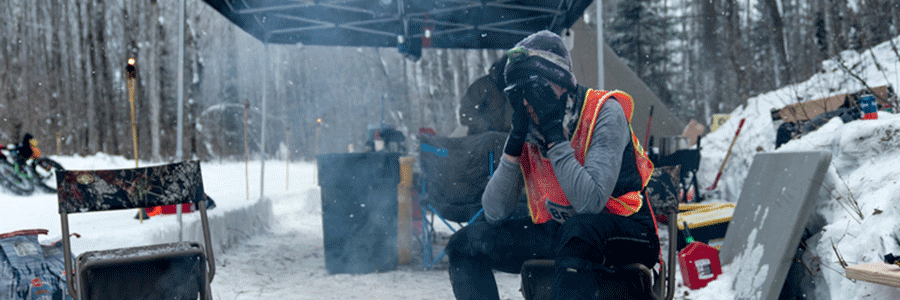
542,53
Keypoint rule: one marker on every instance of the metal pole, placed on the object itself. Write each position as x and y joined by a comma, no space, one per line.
287,156
180,131
262,146
601,43
247,146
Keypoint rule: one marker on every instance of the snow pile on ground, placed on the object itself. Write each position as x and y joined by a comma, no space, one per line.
857,208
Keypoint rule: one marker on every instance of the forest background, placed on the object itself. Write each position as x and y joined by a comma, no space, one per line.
62,76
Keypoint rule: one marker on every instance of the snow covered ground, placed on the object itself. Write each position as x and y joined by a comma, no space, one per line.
276,251
858,208
281,258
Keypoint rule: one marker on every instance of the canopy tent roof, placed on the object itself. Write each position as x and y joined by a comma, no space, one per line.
474,24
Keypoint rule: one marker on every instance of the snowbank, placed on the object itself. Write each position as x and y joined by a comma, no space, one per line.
857,207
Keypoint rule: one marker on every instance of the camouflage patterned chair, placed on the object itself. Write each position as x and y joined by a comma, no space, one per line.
164,271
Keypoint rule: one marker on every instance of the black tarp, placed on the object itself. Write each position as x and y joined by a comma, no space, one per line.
473,24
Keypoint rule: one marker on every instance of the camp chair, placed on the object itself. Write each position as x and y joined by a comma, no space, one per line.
162,271
537,273
455,172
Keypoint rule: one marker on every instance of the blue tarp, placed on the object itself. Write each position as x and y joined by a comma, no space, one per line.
29,270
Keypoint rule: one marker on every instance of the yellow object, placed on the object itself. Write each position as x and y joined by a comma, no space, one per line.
404,212
696,206
718,120
708,214
406,169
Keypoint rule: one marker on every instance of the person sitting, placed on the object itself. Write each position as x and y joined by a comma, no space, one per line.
584,170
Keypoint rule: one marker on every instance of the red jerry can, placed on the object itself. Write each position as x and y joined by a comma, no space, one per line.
699,262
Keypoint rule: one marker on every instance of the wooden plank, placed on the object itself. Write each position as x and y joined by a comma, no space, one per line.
698,206
881,273
706,216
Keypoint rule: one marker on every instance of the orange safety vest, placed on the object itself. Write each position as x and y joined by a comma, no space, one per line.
540,181
35,152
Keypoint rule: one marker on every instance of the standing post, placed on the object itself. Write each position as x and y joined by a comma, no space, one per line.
318,127
727,154
131,74
601,43
247,146
179,142
287,155
262,143
647,133
131,71
316,150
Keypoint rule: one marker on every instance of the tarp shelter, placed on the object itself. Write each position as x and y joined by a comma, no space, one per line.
491,24
412,24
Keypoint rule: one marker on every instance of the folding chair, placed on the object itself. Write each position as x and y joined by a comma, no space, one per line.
163,271
455,172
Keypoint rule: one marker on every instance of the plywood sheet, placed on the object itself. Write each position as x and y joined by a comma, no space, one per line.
771,213
881,273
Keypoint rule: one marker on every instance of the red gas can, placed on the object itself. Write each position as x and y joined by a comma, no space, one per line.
699,263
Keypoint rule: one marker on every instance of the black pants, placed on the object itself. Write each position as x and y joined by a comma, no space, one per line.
478,248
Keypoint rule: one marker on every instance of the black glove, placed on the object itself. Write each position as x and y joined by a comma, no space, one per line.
546,110
519,129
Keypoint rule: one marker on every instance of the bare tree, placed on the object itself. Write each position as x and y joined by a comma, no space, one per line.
783,75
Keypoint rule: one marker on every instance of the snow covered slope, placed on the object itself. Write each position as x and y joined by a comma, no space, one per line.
858,209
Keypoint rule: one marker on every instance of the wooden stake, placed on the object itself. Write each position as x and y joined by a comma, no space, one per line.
131,73
727,154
